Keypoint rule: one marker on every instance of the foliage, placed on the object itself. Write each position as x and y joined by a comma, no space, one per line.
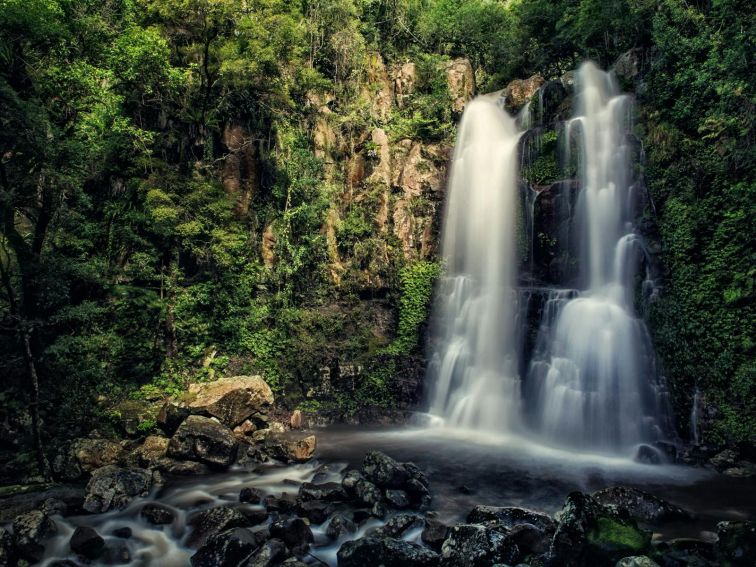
416,291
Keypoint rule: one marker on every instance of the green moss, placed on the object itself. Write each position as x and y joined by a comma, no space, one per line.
610,536
416,290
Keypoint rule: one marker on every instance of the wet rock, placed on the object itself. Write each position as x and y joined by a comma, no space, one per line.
398,525
724,460
135,412
157,514
388,551
227,549
328,491
282,503
124,532
151,451
231,400
637,561
434,533
292,448
295,533
214,521
640,505
245,429
7,548
418,492
204,440
511,516
85,541
737,542
30,531
517,93
250,495
116,554
350,480
49,500
62,563
112,488
648,455
317,511
181,468
628,65
340,526
383,471
171,415
530,540
255,515
366,492
470,545
397,498
84,456
270,554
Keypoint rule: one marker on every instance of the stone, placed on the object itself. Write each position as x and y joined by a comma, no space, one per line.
628,65
284,503
30,531
471,545
231,400
171,415
157,514
295,421
227,549
85,541
519,92
405,77
181,468
150,452
460,81
123,533
255,516
511,516
737,542
116,553
295,533
271,553
637,561
640,505
397,498
133,413
724,460
397,526
250,495
387,552
203,440
530,539
340,526
86,455
329,491
7,548
214,521
297,449
350,480
648,455
383,471
434,533
317,511
367,493
112,488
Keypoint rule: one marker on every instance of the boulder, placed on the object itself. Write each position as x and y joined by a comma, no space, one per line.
637,561
231,400
284,503
270,554
397,526
460,81
85,541
640,505
367,493
255,516
134,413
181,468
116,553
58,499
328,491
292,448
724,460
317,511
30,531
250,495
84,456
212,522
737,542
388,552
295,533
112,488
204,440
340,526
296,419
529,539
471,545
171,415
397,498
383,471
149,453
517,93
434,533
227,549
511,516
628,65
157,514
350,480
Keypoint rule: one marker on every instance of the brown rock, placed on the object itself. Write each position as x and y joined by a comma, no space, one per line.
405,77
151,451
460,80
268,248
93,454
240,169
231,400
296,419
291,448
204,440
519,92
245,428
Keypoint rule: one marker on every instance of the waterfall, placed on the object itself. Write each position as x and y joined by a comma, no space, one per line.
593,383
473,366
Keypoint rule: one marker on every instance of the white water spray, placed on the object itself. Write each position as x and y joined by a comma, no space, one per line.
474,367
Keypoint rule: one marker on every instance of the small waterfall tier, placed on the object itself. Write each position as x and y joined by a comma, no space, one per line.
474,364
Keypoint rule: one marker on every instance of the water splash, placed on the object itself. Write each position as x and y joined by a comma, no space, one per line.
474,366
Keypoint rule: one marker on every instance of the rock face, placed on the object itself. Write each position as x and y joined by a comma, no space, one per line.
461,82
231,400
640,505
388,552
203,440
112,488
517,93
30,531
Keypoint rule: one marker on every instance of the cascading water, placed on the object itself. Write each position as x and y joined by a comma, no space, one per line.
593,383
474,367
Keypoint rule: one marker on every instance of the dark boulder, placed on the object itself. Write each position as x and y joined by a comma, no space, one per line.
295,533
328,491
112,488
30,531
214,521
530,539
116,553
171,415
226,549
204,440
271,553
511,516
124,532
637,561
340,526
737,542
397,498
387,552
85,541
181,468
367,492
251,495
434,533
397,526
640,505
350,480
255,516
157,514
283,503
317,511
471,545
383,471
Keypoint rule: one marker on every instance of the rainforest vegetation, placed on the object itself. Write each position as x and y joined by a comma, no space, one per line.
178,196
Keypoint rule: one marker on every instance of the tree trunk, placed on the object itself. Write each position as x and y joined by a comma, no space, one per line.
44,463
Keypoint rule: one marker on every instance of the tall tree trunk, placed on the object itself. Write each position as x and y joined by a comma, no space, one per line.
44,463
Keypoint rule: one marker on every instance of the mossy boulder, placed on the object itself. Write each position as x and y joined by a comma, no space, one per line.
611,538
